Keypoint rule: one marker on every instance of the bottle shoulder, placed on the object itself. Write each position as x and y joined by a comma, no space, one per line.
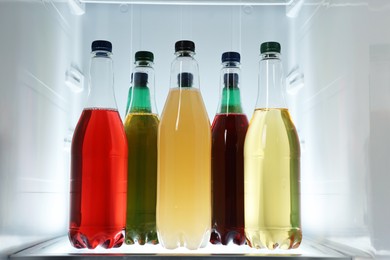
272,116
272,125
229,125
185,107
99,128
141,119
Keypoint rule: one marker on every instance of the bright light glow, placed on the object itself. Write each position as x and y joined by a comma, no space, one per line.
192,2
77,7
61,247
294,7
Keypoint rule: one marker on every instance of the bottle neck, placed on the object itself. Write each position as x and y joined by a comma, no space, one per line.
230,101
271,82
101,84
143,63
184,71
141,96
185,53
140,100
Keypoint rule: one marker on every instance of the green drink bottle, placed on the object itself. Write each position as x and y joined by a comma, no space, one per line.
141,126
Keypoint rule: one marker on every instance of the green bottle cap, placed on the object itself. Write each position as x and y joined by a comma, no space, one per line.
270,47
144,55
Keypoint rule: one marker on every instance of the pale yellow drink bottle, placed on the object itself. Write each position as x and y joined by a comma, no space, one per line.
272,163
183,212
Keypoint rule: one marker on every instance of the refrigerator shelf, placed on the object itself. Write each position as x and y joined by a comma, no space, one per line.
60,248
193,2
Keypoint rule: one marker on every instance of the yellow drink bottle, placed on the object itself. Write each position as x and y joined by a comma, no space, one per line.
272,163
184,159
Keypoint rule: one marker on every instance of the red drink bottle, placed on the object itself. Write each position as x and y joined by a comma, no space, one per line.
98,162
228,136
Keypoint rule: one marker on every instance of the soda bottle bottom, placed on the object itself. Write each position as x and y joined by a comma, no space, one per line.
92,238
173,241
141,236
274,238
226,236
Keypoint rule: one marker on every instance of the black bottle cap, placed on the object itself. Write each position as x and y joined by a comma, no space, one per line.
144,55
101,45
184,46
185,79
231,56
140,79
270,47
230,80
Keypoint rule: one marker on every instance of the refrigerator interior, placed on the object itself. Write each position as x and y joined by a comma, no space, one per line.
336,57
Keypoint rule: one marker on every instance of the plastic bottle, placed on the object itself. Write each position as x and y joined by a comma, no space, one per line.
130,92
141,126
184,158
99,162
227,164
272,162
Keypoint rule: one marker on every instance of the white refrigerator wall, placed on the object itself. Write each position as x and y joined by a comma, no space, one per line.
342,49
333,119
337,54
39,41
379,85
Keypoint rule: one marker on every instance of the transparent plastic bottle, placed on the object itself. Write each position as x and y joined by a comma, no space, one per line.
228,135
130,92
141,126
184,158
144,61
99,162
272,162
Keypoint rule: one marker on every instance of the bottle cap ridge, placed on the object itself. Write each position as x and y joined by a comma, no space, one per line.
231,56
144,55
184,45
101,45
185,79
270,47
